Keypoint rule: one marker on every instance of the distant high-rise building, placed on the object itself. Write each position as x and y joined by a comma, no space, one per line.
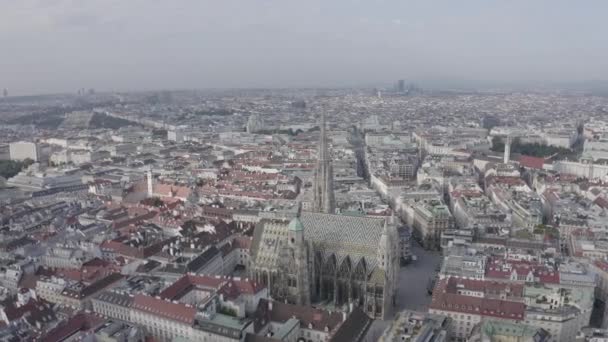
507,155
401,86
150,183
324,200
5,92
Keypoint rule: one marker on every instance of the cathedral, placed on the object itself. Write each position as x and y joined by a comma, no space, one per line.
328,259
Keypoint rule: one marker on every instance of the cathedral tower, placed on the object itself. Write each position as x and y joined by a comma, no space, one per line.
298,247
323,186
388,259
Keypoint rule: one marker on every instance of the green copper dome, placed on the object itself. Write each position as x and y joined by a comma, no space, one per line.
296,225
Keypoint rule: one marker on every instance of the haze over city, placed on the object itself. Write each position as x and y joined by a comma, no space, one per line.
62,45
303,171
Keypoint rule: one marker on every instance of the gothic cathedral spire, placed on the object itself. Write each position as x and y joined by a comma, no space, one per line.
324,176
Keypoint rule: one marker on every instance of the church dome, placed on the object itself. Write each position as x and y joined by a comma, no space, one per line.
296,225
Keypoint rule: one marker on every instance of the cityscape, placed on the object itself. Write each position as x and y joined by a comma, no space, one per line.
175,207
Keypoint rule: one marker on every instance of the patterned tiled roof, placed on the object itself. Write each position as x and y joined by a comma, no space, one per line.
364,231
332,235
344,235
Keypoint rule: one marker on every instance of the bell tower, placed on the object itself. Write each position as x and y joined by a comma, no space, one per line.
300,276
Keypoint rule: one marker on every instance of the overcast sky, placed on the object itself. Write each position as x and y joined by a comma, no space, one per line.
62,45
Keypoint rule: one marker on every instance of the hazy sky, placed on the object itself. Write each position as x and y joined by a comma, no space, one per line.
62,45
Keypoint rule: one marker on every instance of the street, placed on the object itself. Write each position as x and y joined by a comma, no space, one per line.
412,292
413,278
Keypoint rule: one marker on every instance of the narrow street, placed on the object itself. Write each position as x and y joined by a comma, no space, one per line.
412,291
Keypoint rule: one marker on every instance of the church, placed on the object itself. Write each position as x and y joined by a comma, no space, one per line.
323,258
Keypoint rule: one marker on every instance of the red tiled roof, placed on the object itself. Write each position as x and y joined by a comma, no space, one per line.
319,319
601,202
179,288
235,288
70,273
14,312
96,262
502,269
485,286
242,242
75,324
174,311
531,162
442,300
169,190
230,287
29,281
601,265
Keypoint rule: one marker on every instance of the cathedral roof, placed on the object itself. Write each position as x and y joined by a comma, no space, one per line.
342,236
339,236
342,230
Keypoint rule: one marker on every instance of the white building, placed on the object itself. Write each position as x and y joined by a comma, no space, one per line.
563,137
597,148
176,135
50,288
22,150
587,170
77,157
63,257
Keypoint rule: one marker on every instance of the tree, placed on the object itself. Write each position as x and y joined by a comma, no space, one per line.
497,144
27,162
159,133
227,311
9,168
532,149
